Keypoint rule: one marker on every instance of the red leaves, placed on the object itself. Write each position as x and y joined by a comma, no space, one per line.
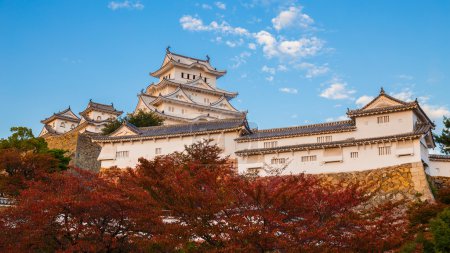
194,201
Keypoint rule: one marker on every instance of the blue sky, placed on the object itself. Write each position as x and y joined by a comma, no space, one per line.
292,62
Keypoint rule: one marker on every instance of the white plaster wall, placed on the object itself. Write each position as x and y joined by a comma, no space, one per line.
103,116
438,169
211,79
368,158
56,125
147,148
399,123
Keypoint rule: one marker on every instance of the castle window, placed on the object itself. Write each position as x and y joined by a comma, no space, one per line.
384,150
193,76
122,154
353,154
270,144
157,151
171,109
72,126
278,160
383,119
206,80
309,158
188,76
182,75
206,100
183,111
322,139
99,118
62,124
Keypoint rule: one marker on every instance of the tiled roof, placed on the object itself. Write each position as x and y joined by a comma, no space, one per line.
93,106
186,61
330,127
61,115
439,158
334,144
402,107
192,85
180,130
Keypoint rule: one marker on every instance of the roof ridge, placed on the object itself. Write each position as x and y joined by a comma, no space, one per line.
193,123
333,123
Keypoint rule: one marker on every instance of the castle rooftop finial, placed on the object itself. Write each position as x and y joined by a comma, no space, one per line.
168,49
207,58
382,91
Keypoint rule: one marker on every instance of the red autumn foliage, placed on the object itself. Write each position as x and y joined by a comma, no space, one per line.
78,211
17,167
193,201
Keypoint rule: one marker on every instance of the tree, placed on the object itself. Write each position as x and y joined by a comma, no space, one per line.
139,119
444,138
222,211
22,138
440,228
24,157
79,211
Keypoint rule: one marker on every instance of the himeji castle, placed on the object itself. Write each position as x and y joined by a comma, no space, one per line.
385,132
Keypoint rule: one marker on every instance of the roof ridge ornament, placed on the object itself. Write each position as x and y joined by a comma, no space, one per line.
168,49
382,92
207,58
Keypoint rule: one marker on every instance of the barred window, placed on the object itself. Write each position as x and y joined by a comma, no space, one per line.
278,161
270,144
253,171
353,154
122,154
309,158
62,124
384,150
383,119
157,151
322,139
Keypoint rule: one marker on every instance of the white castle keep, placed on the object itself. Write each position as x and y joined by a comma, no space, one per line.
385,132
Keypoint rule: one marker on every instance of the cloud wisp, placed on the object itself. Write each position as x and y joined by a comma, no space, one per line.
292,17
129,5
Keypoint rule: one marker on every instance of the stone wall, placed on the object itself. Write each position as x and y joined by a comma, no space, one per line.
441,182
81,150
402,182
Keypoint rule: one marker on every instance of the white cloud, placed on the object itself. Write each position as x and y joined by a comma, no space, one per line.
240,59
252,46
270,78
340,118
191,23
363,100
436,112
313,70
302,47
405,95
294,116
337,90
282,68
292,17
220,5
206,6
268,70
131,5
289,90
234,43
405,77
268,42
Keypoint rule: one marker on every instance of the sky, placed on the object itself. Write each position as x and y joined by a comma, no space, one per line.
292,62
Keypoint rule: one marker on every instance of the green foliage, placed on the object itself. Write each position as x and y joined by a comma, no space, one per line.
444,138
440,228
22,139
139,119
444,195
63,161
112,126
422,213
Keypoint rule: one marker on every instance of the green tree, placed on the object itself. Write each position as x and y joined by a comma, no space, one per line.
440,228
22,139
139,119
444,138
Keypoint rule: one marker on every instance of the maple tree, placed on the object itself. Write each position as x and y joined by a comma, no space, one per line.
79,211
193,201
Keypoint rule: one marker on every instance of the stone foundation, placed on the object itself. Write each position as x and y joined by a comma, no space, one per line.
81,150
402,182
441,182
